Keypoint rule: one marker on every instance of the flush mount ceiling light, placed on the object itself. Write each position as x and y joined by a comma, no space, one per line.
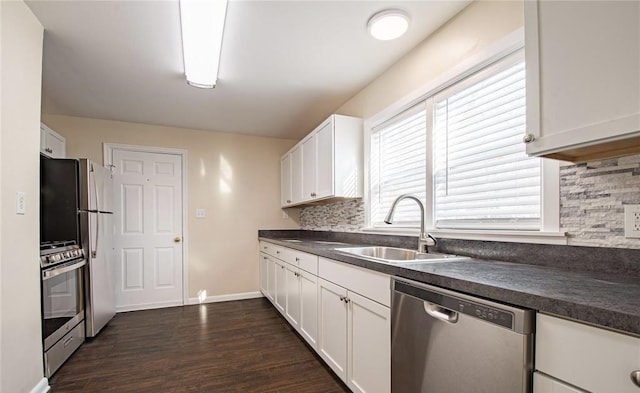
388,24
202,24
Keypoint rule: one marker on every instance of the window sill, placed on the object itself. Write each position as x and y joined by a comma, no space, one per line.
536,237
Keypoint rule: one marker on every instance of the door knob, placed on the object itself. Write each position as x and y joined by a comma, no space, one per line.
177,239
635,378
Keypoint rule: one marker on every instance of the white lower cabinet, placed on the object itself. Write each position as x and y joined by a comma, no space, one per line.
309,307
586,357
341,310
332,322
355,338
292,296
264,273
280,297
544,384
267,276
369,345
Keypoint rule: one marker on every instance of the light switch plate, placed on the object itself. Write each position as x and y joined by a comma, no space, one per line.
201,213
21,207
632,221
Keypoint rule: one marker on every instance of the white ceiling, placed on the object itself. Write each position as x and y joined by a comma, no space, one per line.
285,66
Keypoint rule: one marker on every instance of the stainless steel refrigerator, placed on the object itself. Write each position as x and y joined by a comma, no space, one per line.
96,234
76,208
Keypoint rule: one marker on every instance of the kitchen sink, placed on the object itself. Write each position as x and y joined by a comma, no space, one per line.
397,255
312,241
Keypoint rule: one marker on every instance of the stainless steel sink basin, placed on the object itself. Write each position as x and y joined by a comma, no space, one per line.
397,255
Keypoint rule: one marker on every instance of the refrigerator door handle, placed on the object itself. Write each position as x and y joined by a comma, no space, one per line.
94,252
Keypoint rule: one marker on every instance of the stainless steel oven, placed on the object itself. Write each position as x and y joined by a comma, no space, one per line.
63,327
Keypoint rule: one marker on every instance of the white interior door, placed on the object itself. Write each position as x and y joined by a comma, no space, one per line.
148,239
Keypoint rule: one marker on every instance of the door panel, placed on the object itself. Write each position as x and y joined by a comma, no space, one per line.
369,351
309,168
332,344
281,287
293,296
148,214
296,175
309,307
324,159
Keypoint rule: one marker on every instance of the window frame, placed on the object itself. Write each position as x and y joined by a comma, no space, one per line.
549,232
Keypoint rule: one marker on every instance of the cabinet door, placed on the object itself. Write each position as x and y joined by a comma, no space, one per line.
292,304
332,324
53,144
544,384
369,351
296,174
324,161
594,359
583,76
264,274
309,307
309,168
286,196
281,287
271,280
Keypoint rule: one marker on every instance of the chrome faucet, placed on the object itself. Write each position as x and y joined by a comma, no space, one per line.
425,240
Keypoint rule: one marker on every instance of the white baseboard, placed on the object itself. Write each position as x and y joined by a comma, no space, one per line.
41,387
226,298
148,306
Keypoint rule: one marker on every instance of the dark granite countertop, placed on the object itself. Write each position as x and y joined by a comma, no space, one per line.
599,298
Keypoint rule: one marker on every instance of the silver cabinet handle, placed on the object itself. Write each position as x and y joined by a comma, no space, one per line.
440,313
635,377
528,138
265,258
297,259
288,200
277,252
346,300
342,298
313,194
68,341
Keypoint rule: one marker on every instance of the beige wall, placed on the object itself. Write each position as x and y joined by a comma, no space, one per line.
20,333
479,25
222,248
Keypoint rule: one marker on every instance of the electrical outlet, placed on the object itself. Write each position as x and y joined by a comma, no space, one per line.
201,213
632,221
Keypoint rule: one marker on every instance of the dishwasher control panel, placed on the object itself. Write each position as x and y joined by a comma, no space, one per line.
475,309
499,317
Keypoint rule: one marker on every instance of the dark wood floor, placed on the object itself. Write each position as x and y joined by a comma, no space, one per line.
241,346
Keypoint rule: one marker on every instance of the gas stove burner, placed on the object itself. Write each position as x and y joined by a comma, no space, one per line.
56,244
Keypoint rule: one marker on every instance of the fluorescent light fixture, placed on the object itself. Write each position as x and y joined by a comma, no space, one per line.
388,24
202,25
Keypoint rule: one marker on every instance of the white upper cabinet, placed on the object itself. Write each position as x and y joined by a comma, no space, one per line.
327,164
286,193
583,78
52,144
296,174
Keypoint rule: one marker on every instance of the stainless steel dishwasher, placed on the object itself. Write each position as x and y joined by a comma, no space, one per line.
447,342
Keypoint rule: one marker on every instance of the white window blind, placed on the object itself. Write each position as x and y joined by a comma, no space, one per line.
482,177
398,157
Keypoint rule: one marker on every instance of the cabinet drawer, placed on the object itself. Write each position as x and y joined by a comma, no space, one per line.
374,285
272,250
590,358
303,260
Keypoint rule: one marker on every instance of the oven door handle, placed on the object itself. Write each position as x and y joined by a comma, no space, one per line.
47,274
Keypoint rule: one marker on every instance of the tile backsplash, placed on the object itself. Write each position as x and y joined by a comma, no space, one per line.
592,199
